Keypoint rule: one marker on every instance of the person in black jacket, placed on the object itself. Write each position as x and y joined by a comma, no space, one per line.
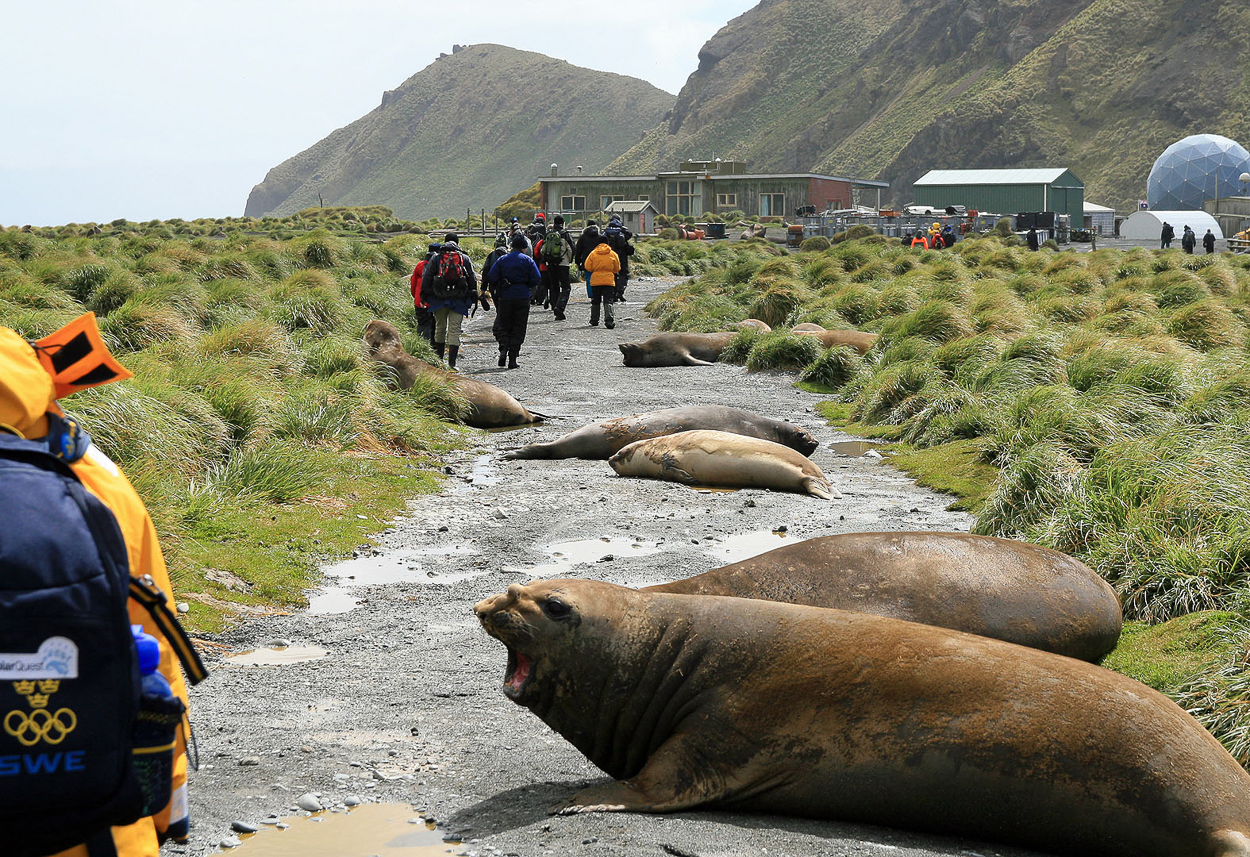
1166,235
586,244
618,239
1188,240
558,269
1208,242
1031,238
513,277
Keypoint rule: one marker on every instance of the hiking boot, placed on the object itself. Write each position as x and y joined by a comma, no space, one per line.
609,324
438,349
503,357
452,352
559,316
512,364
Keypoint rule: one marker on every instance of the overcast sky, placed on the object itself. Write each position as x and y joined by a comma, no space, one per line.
158,108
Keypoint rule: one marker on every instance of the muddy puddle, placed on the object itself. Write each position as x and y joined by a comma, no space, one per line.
482,474
406,565
565,555
742,546
277,656
381,829
854,448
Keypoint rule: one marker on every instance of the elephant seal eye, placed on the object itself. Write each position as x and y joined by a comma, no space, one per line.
556,609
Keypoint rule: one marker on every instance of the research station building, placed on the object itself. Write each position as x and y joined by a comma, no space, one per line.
1005,191
699,188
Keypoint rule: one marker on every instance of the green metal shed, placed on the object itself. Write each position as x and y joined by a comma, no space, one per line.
1005,191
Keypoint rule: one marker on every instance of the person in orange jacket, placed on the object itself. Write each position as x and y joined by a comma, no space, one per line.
28,395
603,265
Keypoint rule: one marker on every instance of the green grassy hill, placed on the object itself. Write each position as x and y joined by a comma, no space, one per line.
467,131
890,90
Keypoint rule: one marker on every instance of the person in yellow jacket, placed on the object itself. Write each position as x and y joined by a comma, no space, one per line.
603,265
28,395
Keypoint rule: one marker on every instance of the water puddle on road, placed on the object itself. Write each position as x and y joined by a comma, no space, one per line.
746,545
853,448
381,829
400,566
565,555
277,656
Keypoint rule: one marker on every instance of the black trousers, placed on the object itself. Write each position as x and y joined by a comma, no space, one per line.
604,295
557,278
539,295
622,280
512,316
425,324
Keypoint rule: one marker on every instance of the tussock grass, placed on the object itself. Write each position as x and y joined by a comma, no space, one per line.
834,367
781,350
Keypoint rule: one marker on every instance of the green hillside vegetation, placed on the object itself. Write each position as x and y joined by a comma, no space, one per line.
1095,403
891,90
260,435
466,132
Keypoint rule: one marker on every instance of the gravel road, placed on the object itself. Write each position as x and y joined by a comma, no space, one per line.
406,706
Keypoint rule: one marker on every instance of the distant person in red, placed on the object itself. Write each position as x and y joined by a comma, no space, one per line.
425,318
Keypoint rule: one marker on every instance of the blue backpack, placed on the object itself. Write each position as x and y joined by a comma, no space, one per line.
72,720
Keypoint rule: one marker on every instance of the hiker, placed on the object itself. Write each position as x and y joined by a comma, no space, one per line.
1208,242
1166,236
513,277
603,265
535,232
618,238
557,264
514,228
32,377
920,239
425,318
1030,238
499,251
586,243
1188,240
449,286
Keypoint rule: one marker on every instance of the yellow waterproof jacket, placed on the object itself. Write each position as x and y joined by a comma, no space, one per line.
603,264
26,397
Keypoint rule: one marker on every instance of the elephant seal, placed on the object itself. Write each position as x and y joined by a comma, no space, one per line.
807,327
857,339
601,440
752,324
676,349
1009,590
489,406
721,458
759,706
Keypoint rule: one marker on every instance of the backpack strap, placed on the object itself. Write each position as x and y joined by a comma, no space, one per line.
143,590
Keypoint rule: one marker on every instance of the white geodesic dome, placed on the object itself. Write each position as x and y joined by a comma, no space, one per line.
1195,169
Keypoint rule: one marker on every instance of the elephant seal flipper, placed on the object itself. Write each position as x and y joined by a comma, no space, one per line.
823,490
691,360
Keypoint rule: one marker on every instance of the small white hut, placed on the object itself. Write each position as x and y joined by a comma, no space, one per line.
637,215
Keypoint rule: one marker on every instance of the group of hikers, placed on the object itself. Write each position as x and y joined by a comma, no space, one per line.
527,268
936,238
1189,240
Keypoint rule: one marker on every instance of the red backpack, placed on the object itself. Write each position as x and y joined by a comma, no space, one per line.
451,280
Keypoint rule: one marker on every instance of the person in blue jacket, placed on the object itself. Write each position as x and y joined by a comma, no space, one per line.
512,278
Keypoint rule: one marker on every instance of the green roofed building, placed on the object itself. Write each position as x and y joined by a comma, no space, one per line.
1005,191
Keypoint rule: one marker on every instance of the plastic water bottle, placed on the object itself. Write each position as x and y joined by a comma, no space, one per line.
156,724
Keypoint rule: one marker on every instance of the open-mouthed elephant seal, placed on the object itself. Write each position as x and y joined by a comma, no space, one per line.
857,339
1009,590
602,439
489,406
752,324
721,458
807,327
760,706
676,349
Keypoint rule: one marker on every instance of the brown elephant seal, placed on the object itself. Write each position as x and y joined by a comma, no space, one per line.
722,458
752,324
603,439
1009,590
676,349
807,327
728,703
489,406
857,339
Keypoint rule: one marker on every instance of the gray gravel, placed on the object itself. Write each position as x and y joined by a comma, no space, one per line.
406,706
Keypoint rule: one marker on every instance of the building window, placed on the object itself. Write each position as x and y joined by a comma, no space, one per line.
573,203
684,198
644,197
772,204
605,200
726,200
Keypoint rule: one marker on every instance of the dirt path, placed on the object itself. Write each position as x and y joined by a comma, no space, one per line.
407,707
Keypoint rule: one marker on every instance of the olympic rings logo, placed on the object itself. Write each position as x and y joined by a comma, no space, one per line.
39,725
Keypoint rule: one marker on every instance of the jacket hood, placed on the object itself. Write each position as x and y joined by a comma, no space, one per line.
26,391
602,249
